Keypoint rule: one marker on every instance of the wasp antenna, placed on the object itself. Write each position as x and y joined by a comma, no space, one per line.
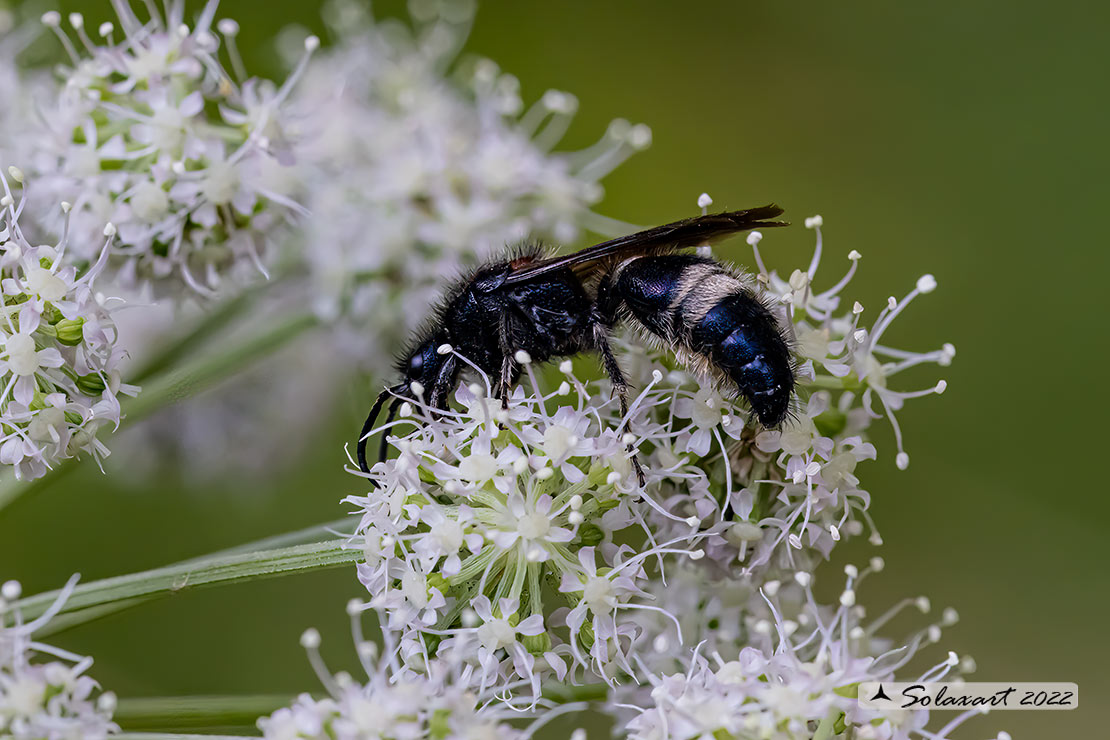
382,450
369,427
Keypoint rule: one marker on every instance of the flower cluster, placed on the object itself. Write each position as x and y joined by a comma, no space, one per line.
486,512
439,702
783,497
485,509
44,692
58,360
391,130
150,132
777,665
440,156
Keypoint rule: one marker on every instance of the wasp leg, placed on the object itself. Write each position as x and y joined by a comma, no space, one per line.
620,386
383,449
444,383
506,363
368,427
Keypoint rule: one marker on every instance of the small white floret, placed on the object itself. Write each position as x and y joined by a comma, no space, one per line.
11,590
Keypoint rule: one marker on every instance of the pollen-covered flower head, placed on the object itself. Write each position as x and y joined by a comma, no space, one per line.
58,359
44,692
150,132
418,164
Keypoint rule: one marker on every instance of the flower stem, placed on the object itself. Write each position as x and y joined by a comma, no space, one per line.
177,736
212,322
72,619
207,712
177,386
170,388
196,712
568,693
825,729
209,572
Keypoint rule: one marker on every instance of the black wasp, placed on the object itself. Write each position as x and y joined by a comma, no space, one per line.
557,306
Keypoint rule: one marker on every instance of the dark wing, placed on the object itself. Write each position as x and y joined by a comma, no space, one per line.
689,232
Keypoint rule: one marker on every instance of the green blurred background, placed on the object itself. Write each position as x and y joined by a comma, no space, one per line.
965,139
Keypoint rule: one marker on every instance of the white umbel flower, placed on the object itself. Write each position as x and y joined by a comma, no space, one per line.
782,498
485,508
58,354
437,699
789,667
44,692
416,164
150,132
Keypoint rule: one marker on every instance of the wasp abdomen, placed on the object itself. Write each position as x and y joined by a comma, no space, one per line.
697,303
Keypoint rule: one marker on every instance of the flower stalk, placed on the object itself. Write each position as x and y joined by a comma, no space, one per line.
195,712
173,387
178,577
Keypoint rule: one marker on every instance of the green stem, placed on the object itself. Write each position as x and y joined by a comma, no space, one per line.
72,619
209,572
831,383
177,736
206,712
196,712
825,729
567,693
174,387
185,383
213,321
